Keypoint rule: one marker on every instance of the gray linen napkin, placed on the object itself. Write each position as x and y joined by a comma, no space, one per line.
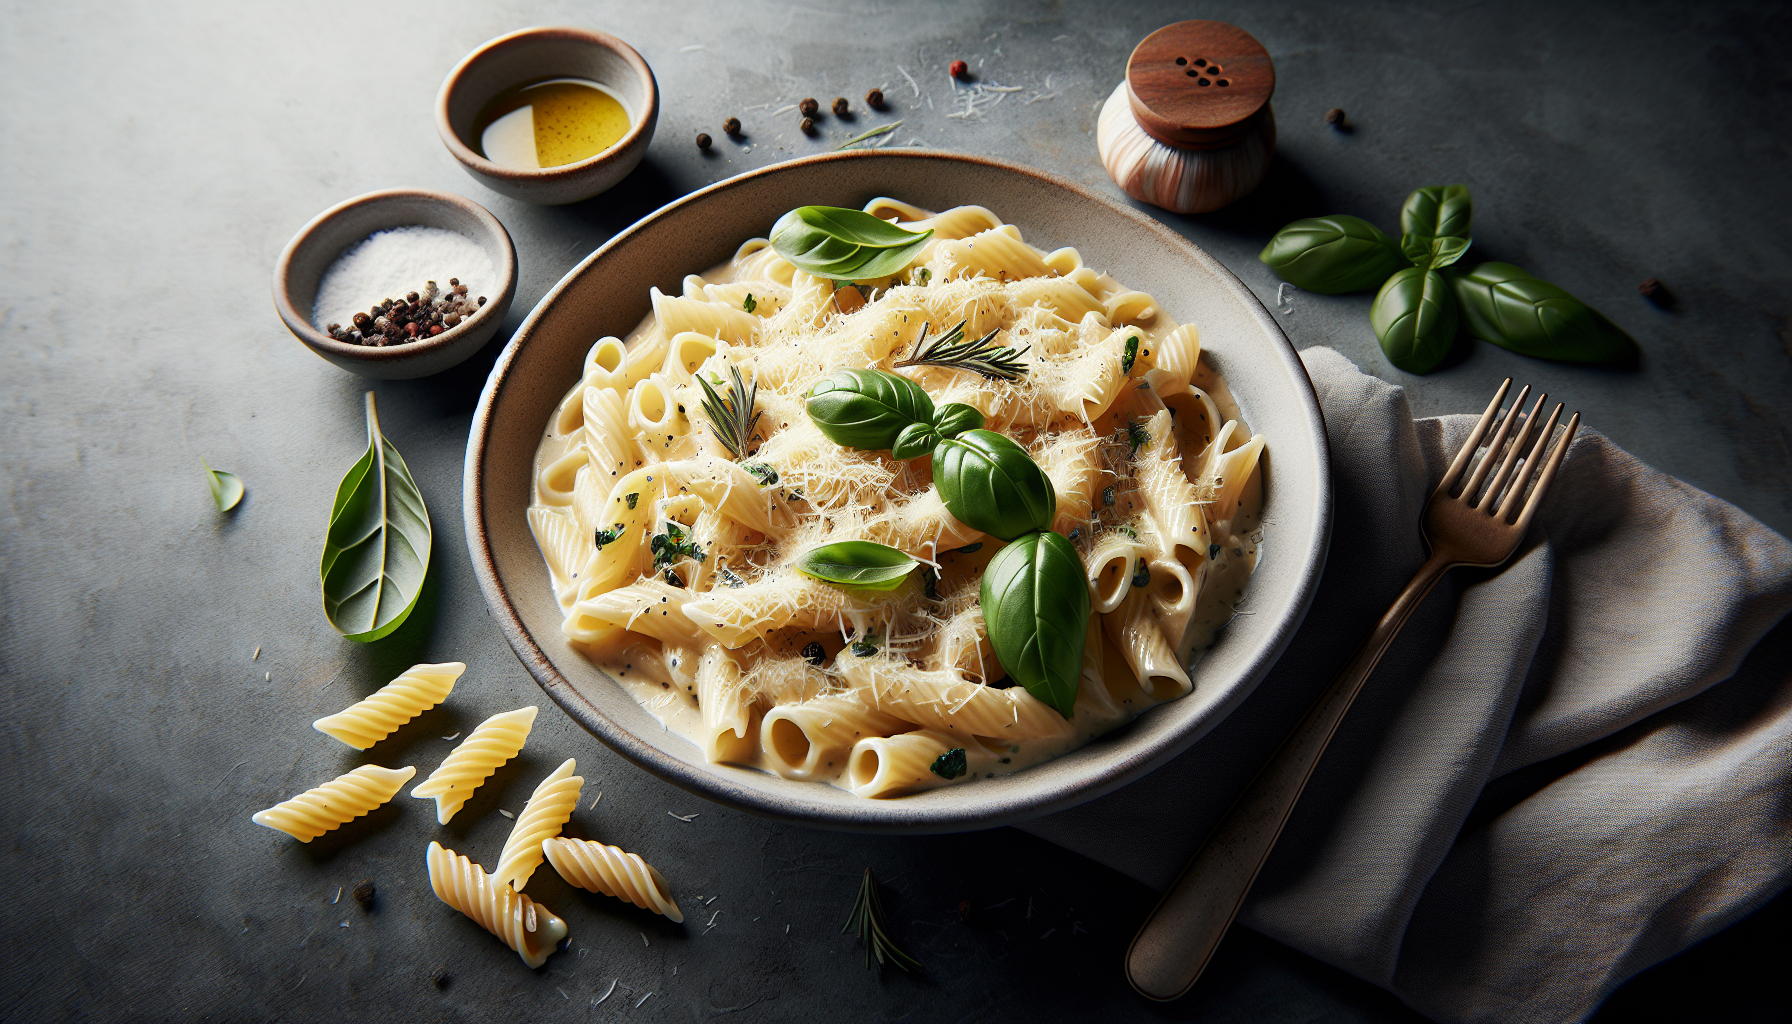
1563,772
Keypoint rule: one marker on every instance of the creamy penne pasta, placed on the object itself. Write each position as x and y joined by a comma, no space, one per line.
672,533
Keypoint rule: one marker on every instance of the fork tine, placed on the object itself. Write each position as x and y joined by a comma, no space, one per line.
1493,452
1549,471
1519,445
1533,461
1474,440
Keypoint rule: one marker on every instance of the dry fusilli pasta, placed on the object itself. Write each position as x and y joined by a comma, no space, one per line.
335,803
608,870
421,687
550,806
496,740
523,924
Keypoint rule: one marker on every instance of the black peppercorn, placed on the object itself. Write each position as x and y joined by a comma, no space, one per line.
808,126
731,127
440,978
1649,288
703,142
814,654
841,107
1334,116
809,108
875,99
364,892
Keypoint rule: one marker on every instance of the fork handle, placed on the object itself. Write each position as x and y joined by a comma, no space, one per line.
1176,941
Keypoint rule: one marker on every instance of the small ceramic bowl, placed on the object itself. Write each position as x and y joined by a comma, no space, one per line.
535,54
330,233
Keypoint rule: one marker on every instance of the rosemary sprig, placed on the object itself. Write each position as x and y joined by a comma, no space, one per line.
955,351
872,134
867,921
732,417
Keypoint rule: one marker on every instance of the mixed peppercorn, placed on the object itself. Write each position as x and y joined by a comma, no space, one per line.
412,318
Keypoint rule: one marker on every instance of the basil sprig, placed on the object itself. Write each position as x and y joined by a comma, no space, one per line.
845,245
991,484
1333,255
857,563
1036,606
1421,305
868,409
1512,309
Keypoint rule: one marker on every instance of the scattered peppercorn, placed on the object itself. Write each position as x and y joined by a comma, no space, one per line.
841,107
808,126
814,654
959,69
417,315
875,99
703,142
1649,288
809,108
440,978
1335,116
364,893
731,127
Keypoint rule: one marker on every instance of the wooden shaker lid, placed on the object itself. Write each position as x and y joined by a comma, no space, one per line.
1199,84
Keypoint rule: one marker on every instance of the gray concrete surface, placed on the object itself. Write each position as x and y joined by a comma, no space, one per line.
155,158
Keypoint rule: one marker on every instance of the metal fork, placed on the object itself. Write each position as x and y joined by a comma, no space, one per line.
1470,525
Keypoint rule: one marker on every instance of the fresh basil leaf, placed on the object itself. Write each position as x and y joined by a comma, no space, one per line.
1036,606
1415,319
951,764
1433,253
954,418
227,490
867,409
916,440
1332,255
842,244
376,555
763,473
1438,211
1512,309
991,484
857,563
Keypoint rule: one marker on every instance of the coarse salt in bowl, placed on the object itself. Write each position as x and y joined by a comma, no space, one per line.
386,245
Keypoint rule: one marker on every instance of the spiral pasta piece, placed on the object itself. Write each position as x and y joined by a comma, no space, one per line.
521,923
550,807
335,803
496,740
367,722
608,870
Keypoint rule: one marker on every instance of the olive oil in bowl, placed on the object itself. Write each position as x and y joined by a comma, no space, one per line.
550,123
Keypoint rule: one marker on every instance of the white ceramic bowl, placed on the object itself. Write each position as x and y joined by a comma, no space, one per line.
608,294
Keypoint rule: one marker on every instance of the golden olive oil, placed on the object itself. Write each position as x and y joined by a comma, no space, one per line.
549,124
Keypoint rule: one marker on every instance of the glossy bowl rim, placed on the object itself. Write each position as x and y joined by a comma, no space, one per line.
897,815
300,325
641,125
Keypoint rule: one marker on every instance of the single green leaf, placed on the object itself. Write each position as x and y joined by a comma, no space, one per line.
227,490
1129,354
1433,253
954,418
376,554
1438,211
1333,255
1036,607
867,409
1512,309
1415,318
857,563
842,244
951,765
991,484
916,440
